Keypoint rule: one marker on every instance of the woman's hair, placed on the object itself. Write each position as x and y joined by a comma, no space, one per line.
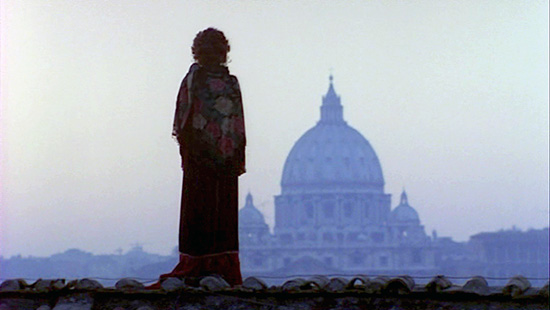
210,47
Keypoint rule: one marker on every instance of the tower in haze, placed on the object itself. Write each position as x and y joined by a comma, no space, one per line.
333,215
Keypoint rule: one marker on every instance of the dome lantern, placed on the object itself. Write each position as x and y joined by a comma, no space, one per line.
404,200
332,110
249,203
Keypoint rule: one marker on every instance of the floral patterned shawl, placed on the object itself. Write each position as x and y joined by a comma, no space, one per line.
209,123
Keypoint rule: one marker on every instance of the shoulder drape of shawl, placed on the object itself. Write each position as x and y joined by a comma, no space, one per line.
211,127
183,106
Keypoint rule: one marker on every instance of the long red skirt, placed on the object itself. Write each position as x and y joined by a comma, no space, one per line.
208,235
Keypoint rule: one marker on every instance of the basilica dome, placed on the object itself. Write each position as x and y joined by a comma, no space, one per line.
332,156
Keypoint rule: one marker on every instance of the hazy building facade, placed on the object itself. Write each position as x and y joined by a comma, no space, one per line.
333,215
506,253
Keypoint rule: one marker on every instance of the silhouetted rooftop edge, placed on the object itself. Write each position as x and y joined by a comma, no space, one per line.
212,292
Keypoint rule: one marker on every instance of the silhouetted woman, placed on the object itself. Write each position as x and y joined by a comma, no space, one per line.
209,127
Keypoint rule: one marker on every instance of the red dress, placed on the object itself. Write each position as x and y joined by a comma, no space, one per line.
210,131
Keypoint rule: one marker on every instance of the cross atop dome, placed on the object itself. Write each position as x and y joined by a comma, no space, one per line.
331,109
331,98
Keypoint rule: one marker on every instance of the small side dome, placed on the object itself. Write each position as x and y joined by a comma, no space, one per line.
404,213
249,215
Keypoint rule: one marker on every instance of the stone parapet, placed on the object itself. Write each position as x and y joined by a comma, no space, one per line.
314,293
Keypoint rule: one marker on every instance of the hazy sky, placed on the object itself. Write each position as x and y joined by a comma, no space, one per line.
452,95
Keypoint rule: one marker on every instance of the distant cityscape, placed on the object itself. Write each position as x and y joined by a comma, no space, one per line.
333,218
499,254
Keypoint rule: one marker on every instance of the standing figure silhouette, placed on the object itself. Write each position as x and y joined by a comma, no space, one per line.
209,128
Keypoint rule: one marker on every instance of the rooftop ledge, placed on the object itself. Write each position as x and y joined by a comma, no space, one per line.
318,292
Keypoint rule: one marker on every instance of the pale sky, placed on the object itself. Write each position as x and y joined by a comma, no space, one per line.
452,95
